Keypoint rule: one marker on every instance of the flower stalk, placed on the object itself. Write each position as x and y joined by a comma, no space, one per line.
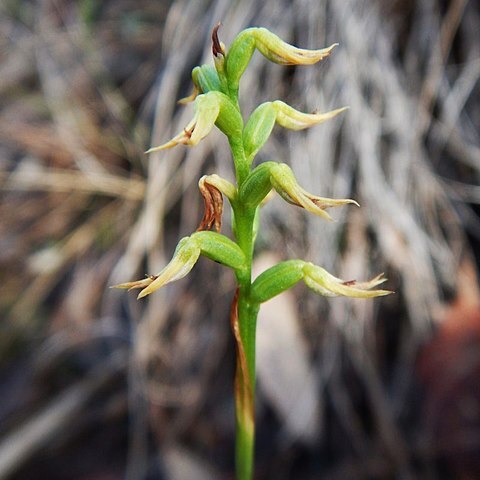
216,104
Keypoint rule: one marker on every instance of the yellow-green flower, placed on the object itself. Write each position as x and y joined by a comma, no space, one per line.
276,50
210,108
284,182
324,283
184,259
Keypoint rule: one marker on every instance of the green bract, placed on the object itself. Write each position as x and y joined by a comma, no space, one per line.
277,279
258,129
220,248
257,185
216,104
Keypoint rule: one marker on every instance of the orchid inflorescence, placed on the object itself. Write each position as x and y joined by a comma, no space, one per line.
216,104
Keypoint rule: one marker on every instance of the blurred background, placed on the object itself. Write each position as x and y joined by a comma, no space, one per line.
95,385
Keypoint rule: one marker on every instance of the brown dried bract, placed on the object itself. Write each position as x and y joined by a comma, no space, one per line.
243,387
216,46
213,206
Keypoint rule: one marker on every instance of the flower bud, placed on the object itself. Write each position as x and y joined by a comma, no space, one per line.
323,283
206,79
258,129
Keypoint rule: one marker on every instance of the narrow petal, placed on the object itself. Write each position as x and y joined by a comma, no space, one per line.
191,97
324,203
181,138
374,282
144,282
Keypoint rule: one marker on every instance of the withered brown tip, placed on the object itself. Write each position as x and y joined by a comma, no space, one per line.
189,133
216,47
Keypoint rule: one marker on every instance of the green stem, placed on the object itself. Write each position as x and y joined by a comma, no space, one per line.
247,312
242,168
244,320
245,395
244,447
